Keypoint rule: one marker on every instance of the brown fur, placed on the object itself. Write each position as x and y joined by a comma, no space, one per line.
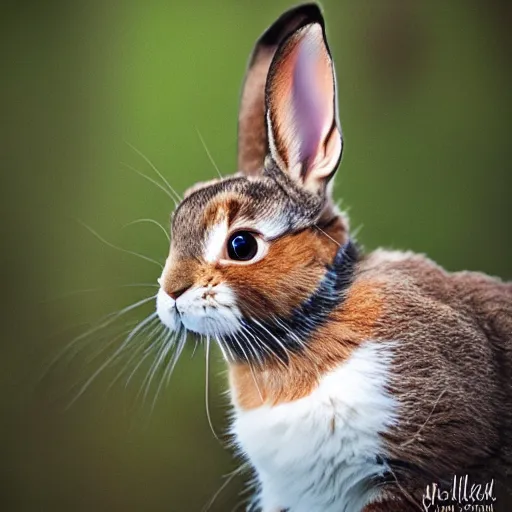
294,265
253,146
452,370
179,275
223,206
276,383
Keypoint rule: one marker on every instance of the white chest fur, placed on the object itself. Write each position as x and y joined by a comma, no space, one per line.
317,454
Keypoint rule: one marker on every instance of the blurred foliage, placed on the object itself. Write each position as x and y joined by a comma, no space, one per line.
424,92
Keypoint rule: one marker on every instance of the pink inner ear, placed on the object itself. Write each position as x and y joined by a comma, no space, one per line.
301,109
312,98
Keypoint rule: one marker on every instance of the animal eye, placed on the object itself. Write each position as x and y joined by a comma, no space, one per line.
242,246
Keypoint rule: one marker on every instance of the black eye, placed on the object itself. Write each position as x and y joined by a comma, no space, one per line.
242,246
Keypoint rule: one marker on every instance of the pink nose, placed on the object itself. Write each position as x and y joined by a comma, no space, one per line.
176,293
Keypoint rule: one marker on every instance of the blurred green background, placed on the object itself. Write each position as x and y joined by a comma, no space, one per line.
424,94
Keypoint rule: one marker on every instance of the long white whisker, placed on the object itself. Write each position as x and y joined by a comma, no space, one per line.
288,330
105,346
208,153
222,349
151,180
104,322
99,289
70,351
259,342
327,235
146,385
91,379
147,352
148,161
301,343
117,248
249,344
207,388
170,370
275,338
262,343
181,343
151,221
113,340
169,346
229,477
136,352
354,233
250,368
196,344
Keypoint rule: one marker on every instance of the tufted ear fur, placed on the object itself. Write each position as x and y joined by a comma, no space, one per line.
252,134
302,120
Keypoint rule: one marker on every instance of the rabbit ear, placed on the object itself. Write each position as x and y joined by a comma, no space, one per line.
252,134
302,119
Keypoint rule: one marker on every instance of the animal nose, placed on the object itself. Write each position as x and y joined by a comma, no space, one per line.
176,293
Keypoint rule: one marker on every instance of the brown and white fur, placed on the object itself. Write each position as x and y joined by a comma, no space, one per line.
356,380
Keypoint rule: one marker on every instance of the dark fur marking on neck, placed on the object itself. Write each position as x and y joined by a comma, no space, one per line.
262,339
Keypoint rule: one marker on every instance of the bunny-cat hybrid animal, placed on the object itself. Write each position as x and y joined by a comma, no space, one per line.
356,379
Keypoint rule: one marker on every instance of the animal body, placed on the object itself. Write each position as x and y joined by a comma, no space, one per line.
357,380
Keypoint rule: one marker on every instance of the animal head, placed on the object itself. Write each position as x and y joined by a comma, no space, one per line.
249,251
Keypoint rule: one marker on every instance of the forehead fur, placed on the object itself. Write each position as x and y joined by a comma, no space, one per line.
271,200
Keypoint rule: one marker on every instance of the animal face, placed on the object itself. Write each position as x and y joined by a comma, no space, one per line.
242,249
